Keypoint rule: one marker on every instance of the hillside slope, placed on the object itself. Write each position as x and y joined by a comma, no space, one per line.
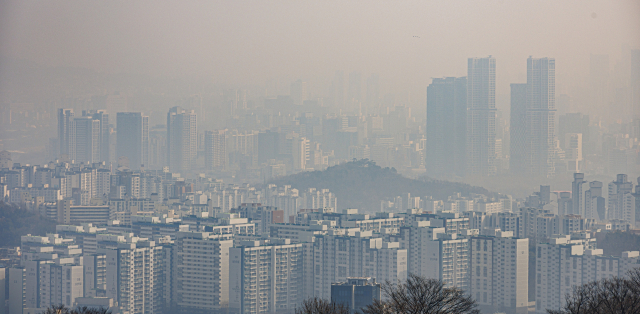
362,184
16,222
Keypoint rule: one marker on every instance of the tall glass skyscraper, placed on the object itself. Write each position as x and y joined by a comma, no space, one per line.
446,126
540,117
182,139
518,129
481,116
132,139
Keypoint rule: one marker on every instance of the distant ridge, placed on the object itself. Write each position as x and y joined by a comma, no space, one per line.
362,184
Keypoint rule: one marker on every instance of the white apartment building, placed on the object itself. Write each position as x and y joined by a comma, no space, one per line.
201,264
448,260
134,273
567,261
51,273
621,201
499,266
414,239
269,277
353,253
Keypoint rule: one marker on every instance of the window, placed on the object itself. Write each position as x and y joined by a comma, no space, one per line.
484,272
575,263
484,297
478,271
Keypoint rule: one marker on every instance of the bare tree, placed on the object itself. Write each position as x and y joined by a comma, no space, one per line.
615,295
321,306
61,309
419,295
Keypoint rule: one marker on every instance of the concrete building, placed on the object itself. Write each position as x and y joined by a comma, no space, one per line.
65,136
182,139
134,276
215,149
86,134
595,206
568,261
269,277
621,202
577,195
104,133
354,253
498,271
201,271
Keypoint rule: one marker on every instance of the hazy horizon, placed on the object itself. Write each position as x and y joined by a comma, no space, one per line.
247,43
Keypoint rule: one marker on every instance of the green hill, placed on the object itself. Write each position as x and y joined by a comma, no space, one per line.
16,222
362,184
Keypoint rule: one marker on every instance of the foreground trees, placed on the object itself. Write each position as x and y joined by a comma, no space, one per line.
419,295
61,309
615,295
320,306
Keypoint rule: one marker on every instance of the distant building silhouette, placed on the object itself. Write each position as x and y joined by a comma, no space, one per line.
446,126
481,116
540,121
182,139
132,138
518,128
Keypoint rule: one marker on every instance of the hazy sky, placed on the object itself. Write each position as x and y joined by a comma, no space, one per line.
241,42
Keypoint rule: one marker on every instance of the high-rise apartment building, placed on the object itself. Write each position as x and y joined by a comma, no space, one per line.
356,254
354,94
182,139
201,271
446,126
568,261
499,270
577,194
299,92
134,276
621,202
269,277
132,139
215,149
518,129
65,138
300,152
540,116
481,116
104,137
86,133
594,202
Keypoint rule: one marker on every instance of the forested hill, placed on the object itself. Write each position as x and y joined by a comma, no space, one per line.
16,222
362,184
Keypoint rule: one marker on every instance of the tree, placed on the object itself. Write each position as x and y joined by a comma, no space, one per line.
419,295
321,306
61,309
613,295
